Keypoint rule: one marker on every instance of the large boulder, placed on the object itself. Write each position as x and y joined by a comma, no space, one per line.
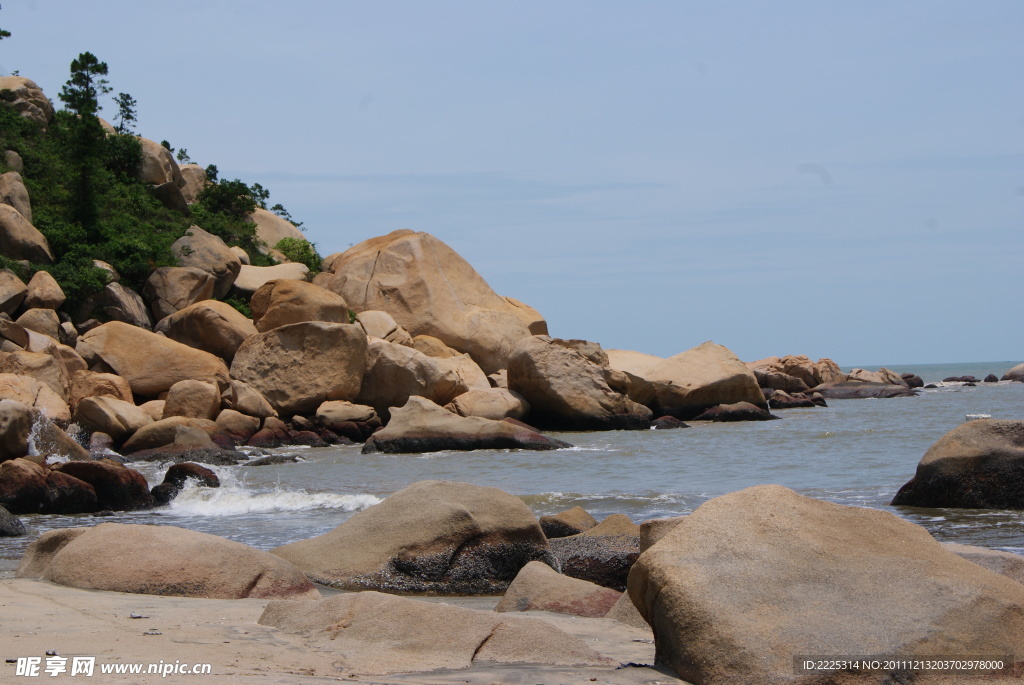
568,391
492,403
272,229
43,321
205,251
150,363
43,292
117,487
14,193
24,430
251,278
378,324
700,378
279,303
394,373
210,325
431,290
379,634
34,394
193,179
977,465
1015,374
10,525
161,560
299,366
422,426
434,537
29,100
118,303
752,579
47,368
12,290
158,166
538,587
247,400
569,522
172,288
858,390
192,399
19,239
91,384
602,554
110,415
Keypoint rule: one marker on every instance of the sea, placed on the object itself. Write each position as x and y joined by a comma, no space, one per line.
853,452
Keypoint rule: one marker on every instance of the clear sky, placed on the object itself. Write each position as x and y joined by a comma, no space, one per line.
829,178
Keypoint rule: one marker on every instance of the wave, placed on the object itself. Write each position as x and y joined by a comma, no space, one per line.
233,499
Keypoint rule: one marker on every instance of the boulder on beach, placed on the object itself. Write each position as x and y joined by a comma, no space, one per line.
977,465
422,426
754,578
209,325
161,560
394,373
353,421
430,290
23,428
117,487
1015,374
434,537
110,415
377,634
565,523
602,554
538,587
194,399
176,478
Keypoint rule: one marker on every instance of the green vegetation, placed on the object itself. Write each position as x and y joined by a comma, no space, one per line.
301,251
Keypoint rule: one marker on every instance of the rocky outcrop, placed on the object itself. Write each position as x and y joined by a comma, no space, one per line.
115,417
858,390
172,288
279,303
251,278
568,391
12,291
158,166
193,179
271,229
434,537
161,560
493,403
28,99
379,634
117,488
422,426
213,326
602,554
43,292
394,373
751,579
300,366
431,290
738,411
192,399
205,251
19,239
570,522
1015,374
378,324
14,193
977,465
150,363
538,587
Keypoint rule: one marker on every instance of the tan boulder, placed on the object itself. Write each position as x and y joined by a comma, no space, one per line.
378,324
247,400
43,321
165,431
432,347
336,412
394,373
117,418
468,370
162,560
158,165
172,288
299,366
865,376
110,274
119,303
378,634
828,371
570,522
243,257
626,612
431,290
279,303
12,290
193,179
19,239
13,160
43,292
49,369
91,384
210,325
205,251
154,409
753,578
653,530
436,537
271,229
151,363
35,394
240,427
24,430
1004,563
538,587
14,193
28,99
493,403
251,278
193,399
636,363
568,391
700,378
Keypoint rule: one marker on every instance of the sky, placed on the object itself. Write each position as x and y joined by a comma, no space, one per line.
835,179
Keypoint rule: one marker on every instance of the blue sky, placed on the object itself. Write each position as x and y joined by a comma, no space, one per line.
833,179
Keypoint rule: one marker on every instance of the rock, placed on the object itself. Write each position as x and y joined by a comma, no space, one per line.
66,494
271,229
10,525
667,423
626,612
494,403
991,378
355,422
636,363
570,522
434,537
567,391
751,579
243,257
161,560
12,290
209,325
44,321
739,411
245,399
47,368
172,288
115,417
110,273
300,366
380,634
431,290
14,193
14,161
700,378
151,363
466,369
67,334
252,278
1004,563
422,426
783,400
883,376
22,486
43,292
538,587
193,399
117,488
119,303
432,347
91,384
205,251
394,373
158,165
193,179
855,390
164,432
655,529
603,554
912,380
29,100
1015,374
279,303
23,429
977,465
170,196
34,394
176,478
378,324
191,443
237,425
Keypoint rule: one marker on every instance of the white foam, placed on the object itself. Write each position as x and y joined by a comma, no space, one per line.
232,499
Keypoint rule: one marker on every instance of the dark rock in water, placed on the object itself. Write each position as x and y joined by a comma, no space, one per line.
960,379
273,434
667,423
603,555
861,390
66,494
970,385
301,423
332,438
10,525
783,400
931,386
991,378
272,459
570,522
977,465
739,411
22,486
177,475
912,380
117,487
181,454
308,438
100,442
817,399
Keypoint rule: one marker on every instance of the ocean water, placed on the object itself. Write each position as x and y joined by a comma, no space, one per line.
855,452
